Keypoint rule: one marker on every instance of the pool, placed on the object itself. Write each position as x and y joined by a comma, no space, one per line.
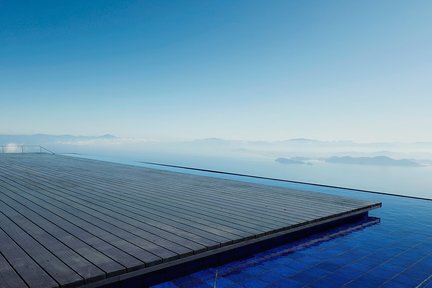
390,248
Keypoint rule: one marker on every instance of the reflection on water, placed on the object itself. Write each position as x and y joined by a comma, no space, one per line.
299,245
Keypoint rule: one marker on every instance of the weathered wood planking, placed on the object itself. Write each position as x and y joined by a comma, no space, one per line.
67,221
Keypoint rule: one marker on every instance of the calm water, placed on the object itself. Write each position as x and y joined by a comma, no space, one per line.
390,248
413,181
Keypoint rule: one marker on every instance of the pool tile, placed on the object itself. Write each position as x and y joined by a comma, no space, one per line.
287,283
254,283
166,285
394,253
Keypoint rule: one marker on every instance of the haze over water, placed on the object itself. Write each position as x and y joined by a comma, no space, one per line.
410,181
159,74
397,170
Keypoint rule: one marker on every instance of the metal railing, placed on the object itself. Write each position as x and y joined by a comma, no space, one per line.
13,148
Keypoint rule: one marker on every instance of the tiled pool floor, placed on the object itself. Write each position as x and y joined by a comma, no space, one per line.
391,248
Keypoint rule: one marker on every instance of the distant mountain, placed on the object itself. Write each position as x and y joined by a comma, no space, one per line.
284,152
292,160
212,141
220,141
41,139
107,136
312,142
376,161
302,140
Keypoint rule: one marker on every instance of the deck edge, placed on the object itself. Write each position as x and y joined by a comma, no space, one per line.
180,267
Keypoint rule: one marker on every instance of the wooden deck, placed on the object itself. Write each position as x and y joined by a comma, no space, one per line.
67,221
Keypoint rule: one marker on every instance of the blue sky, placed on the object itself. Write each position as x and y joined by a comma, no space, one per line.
358,70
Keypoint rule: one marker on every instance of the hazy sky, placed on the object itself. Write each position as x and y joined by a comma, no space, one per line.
359,70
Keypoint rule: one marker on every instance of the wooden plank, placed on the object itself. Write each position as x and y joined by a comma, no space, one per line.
290,216
67,205
121,260
106,241
8,276
321,207
146,212
190,216
68,256
214,213
57,269
95,218
91,254
288,223
29,270
184,213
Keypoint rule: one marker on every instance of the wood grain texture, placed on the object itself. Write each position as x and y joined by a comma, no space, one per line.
66,221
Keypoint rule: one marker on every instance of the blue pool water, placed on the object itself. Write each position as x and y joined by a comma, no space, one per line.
391,248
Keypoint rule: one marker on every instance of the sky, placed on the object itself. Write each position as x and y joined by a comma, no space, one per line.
253,70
